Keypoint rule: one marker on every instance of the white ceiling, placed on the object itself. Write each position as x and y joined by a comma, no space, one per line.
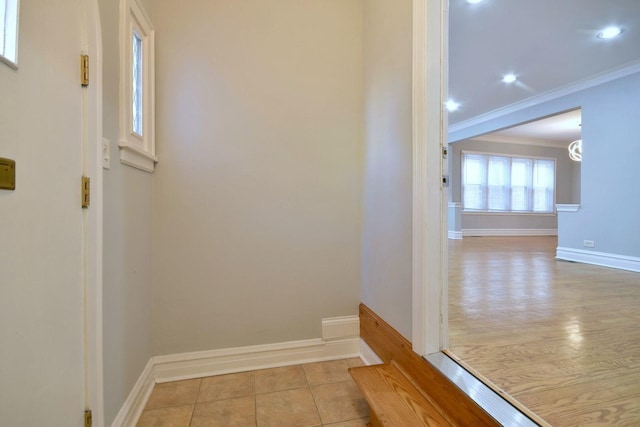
548,44
560,129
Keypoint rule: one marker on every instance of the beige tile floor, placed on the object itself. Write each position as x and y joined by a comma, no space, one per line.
314,394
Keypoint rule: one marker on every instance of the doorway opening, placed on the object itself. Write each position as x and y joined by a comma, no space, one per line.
531,326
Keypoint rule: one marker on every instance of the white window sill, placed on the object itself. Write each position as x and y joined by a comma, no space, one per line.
508,213
567,208
133,156
8,62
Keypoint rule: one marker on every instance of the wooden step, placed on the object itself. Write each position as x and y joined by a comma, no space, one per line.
439,393
393,399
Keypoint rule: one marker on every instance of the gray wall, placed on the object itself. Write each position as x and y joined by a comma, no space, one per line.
127,243
386,231
610,197
565,184
257,195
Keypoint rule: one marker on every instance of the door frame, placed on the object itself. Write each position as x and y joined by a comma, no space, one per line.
92,217
430,240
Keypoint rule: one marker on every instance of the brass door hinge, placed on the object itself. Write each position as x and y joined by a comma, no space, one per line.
84,70
86,192
88,421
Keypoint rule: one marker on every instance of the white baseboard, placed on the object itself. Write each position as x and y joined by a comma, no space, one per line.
368,356
482,232
198,364
216,362
603,259
132,409
455,235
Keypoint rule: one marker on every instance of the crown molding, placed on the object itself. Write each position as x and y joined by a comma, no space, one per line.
595,80
504,139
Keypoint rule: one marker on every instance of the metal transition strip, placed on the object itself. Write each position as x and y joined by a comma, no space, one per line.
500,409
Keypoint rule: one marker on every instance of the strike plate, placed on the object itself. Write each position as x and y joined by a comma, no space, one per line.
7,174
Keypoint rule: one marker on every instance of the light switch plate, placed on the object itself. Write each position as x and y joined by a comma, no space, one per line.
106,153
7,174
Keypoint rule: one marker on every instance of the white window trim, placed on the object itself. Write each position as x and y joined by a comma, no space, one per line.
13,63
513,156
506,213
135,150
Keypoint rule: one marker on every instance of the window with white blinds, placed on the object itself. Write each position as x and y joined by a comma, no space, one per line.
9,31
500,183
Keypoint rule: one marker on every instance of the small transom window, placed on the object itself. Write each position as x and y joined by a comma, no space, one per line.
9,32
136,90
137,110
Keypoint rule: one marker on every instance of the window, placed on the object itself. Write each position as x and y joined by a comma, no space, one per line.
137,139
136,84
9,32
500,183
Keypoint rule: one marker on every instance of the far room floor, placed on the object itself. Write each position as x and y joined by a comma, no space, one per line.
561,338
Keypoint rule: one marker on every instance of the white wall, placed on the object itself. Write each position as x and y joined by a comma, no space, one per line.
257,196
41,307
387,231
127,242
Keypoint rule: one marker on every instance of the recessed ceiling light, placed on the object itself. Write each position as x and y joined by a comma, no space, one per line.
609,32
509,78
452,105
473,1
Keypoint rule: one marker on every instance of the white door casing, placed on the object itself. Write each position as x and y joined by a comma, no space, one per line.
430,38
92,221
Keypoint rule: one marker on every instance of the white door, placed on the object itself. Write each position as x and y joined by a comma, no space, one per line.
44,238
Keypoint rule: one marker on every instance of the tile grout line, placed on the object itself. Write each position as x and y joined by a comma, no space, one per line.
255,398
313,396
287,388
193,409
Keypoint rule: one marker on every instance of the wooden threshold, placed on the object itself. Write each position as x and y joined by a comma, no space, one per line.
454,405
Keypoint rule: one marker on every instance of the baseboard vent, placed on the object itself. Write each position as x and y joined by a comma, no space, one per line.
340,328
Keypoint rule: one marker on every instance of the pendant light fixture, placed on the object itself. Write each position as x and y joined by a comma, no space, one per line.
575,150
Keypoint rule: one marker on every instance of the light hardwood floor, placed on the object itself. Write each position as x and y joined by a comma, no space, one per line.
561,338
